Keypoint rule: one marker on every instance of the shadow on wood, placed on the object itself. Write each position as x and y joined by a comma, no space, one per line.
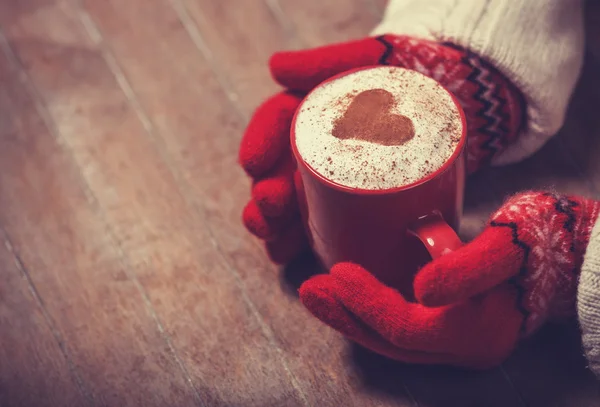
435,386
297,272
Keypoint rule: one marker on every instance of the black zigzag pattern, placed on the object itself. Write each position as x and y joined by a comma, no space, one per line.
566,206
388,50
487,111
504,118
561,205
522,271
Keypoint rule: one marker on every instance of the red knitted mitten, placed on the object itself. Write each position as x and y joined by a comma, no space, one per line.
476,302
272,213
492,105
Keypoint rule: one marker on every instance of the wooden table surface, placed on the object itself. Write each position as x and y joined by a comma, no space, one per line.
126,276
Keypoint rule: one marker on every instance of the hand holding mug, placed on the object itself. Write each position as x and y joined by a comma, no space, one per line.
380,153
492,106
475,303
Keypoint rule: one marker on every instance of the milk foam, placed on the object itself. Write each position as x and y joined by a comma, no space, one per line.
363,164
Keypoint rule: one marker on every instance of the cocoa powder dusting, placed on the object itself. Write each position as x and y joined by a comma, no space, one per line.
368,118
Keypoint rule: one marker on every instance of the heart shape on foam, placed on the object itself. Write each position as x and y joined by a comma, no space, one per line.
369,118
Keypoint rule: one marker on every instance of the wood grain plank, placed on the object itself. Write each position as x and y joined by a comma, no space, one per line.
202,146
178,205
114,344
240,53
493,386
140,75
206,317
324,22
34,370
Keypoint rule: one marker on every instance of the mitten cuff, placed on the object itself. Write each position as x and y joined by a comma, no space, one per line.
588,301
538,45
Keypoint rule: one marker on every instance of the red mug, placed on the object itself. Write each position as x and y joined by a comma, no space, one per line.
391,232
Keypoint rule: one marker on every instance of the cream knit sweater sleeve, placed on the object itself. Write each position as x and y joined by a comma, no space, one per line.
538,44
588,301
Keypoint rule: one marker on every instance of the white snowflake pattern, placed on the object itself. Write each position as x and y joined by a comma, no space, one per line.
549,283
424,57
526,205
548,265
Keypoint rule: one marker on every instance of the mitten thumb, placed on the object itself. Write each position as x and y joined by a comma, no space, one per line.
305,69
488,260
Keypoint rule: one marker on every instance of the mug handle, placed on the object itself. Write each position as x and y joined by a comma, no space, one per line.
437,236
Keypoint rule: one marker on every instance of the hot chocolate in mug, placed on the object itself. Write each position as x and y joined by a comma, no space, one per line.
380,153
